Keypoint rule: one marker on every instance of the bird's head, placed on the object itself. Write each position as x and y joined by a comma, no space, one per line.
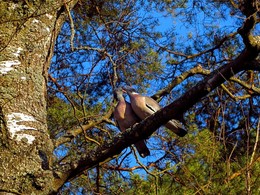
118,93
129,90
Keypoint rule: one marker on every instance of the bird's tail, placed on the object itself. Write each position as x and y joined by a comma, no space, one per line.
142,149
176,127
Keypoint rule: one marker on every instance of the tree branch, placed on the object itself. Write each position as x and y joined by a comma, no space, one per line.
238,173
196,70
246,85
233,96
72,29
187,57
74,132
249,9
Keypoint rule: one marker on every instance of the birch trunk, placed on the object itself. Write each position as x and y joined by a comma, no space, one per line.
27,34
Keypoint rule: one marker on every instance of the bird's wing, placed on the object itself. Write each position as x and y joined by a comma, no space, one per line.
152,104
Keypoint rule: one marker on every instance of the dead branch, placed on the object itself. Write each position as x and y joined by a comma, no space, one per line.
74,132
196,70
247,86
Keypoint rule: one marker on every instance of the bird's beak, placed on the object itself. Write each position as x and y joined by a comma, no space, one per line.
125,88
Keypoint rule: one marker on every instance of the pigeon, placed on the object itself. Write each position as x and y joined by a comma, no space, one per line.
145,106
125,118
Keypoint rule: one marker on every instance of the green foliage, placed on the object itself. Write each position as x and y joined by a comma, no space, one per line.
60,116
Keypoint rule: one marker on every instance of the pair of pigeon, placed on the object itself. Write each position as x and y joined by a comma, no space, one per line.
126,114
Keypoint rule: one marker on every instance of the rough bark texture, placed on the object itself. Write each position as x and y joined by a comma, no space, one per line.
27,33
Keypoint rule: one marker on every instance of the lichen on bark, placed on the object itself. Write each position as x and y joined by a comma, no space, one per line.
26,36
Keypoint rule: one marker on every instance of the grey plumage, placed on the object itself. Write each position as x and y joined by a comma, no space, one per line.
125,118
144,106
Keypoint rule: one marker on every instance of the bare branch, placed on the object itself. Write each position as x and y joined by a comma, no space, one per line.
148,172
90,48
196,70
128,169
72,29
74,132
187,57
242,171
246,85
233,96
68,137
233,4
256,142
249,9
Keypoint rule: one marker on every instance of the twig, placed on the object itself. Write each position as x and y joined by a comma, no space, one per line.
147,171
71,26
233,96
74,132
256,141
196,70
187,57
245,85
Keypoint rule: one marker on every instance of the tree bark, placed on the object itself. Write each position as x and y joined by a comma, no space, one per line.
27,35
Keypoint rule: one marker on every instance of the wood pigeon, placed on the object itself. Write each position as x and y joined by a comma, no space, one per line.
144,106
125,118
